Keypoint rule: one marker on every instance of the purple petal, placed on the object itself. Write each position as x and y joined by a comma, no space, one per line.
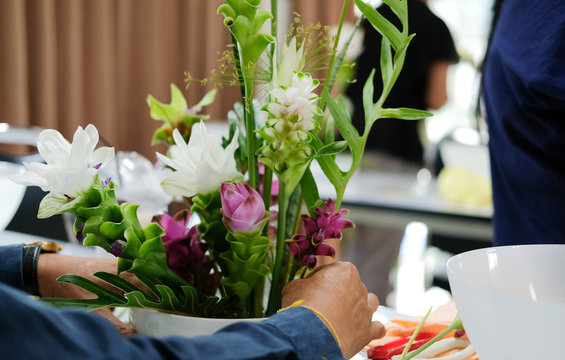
325,250
310,261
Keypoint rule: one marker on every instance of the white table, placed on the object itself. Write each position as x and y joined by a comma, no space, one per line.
11,237
393,200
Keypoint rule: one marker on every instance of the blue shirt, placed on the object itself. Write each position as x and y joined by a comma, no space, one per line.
524,95
30,329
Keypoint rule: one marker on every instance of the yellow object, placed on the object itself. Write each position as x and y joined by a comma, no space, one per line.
320,315
47,246
460,186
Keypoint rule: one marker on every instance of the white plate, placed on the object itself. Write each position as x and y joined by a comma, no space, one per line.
384,315
11,193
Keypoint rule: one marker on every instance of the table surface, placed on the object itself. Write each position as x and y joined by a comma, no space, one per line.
388,199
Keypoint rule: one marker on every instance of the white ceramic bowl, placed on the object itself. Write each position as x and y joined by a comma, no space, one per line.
511,300
156,323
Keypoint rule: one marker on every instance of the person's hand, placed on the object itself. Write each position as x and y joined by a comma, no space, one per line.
336,291
51,266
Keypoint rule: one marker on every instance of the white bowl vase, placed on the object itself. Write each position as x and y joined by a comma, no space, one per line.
159,324
511,300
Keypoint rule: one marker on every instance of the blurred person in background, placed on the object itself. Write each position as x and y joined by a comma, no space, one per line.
523,89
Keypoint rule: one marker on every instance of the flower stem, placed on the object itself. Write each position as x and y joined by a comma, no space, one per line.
257,297
327,83
455,325
278,281
250,134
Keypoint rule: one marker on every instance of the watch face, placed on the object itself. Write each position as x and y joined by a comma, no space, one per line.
47,246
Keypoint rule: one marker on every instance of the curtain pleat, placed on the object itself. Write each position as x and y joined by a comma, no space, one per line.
65,63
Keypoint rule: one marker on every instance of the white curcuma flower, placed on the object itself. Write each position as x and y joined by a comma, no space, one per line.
70,168
292,59
297,100
201,166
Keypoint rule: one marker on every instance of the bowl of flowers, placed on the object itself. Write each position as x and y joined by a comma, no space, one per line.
258,220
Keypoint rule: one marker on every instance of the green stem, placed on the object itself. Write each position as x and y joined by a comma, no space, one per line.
456,325
267,187
257,297
277,283
250,134
274,20
334,51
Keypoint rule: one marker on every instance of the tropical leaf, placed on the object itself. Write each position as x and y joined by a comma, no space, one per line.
187,300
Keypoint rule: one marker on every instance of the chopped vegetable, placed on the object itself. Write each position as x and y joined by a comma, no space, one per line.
442,346
386,351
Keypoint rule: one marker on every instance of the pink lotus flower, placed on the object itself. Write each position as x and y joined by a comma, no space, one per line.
243,208
324,225
185,253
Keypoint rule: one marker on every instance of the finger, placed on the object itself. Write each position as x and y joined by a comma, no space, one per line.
377,330
373,302
120,326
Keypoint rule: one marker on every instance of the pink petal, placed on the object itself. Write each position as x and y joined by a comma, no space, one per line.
231,199
237,225
251,210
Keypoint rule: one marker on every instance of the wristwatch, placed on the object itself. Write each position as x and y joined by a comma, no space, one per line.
30,256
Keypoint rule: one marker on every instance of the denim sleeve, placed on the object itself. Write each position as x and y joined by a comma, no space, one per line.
31,329
11,265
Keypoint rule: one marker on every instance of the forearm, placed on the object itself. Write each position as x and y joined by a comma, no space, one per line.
43,332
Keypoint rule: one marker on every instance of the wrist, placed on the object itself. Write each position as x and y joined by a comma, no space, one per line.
30,260
30,257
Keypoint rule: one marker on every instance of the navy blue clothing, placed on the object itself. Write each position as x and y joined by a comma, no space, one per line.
524,96
30,329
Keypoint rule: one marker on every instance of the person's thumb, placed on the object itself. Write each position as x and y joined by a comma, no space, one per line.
377,330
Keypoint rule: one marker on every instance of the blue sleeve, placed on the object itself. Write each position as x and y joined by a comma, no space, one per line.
31,329
11,265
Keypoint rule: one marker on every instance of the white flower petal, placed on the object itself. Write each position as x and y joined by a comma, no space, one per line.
201,165
68,170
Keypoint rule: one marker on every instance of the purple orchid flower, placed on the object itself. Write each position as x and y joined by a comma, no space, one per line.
324,225
186,254
243,208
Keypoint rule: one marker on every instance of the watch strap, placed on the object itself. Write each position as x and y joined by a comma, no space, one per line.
30,256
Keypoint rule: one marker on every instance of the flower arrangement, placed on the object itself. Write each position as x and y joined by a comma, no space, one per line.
248,192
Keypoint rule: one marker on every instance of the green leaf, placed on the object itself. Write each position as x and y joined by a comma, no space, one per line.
120,283
381,24
207,99
178,102
332,149
386,61
403,113
188,300
342,118
309,189
292,176
254,47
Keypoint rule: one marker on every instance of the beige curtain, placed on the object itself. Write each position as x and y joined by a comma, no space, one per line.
66,63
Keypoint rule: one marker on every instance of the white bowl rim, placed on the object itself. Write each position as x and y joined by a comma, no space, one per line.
452,272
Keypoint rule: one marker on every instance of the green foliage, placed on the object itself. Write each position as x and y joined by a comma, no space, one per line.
245,261
185,300
394,40
176,115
